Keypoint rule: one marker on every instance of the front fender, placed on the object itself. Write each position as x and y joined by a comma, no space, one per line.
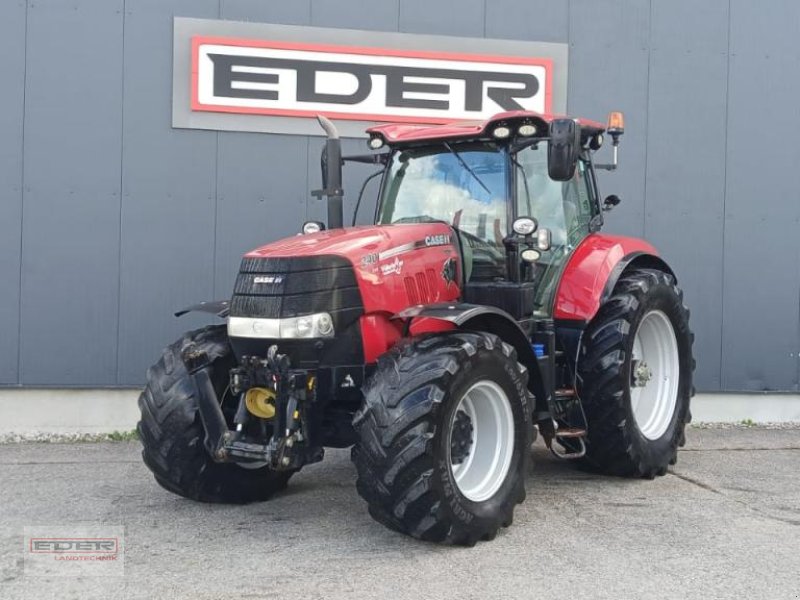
491,320
456,313
592,272
221,308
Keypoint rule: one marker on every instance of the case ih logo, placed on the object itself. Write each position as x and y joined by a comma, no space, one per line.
367,84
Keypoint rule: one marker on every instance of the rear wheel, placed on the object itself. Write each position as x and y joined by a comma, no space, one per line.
635,375
444,432
172,434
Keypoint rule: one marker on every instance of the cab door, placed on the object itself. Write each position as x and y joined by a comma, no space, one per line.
564,208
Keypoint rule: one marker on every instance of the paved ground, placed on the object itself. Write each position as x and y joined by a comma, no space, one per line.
724,523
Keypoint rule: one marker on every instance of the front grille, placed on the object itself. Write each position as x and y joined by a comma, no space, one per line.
289,287
278,288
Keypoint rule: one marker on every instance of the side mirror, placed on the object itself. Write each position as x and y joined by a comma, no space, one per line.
610,202
564,149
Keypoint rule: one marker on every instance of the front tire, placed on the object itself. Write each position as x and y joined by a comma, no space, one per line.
444,433
635,377
172,434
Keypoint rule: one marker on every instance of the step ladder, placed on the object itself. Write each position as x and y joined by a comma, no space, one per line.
563,405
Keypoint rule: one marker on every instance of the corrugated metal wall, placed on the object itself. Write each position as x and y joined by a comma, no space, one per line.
110,219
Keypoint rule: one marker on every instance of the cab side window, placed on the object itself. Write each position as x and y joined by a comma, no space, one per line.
563,207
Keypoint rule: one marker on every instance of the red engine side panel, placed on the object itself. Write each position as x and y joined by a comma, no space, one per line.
585,276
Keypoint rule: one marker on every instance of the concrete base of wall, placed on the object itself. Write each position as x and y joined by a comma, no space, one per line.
735,408
67,411
27,412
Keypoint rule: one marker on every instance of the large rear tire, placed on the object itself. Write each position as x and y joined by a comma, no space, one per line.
635,377
444,434
172,434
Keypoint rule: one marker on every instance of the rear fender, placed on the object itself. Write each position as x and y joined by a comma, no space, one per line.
593,270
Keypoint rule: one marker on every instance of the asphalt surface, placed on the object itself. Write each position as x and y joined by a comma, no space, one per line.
724,523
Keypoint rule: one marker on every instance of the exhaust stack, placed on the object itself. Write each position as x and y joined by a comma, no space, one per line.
331,163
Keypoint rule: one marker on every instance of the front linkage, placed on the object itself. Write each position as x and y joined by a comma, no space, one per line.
270,388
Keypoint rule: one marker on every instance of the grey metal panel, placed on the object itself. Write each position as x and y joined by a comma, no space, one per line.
168,201
193,201
261,196
356,14
608,70
762,211
540,20
686,161
72,182
12,74
296,12
444,17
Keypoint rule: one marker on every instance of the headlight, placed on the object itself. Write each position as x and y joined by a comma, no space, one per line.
524,225
313,227
325,324
303,326
318,325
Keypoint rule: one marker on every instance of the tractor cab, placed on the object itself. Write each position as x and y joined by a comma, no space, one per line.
498,195
518,190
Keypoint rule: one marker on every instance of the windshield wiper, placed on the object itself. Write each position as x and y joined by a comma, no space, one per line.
467,167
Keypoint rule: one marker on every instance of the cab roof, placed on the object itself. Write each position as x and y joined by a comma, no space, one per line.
403,133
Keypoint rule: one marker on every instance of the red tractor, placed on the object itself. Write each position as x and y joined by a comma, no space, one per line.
482,308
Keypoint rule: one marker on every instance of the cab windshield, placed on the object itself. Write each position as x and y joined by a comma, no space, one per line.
465,185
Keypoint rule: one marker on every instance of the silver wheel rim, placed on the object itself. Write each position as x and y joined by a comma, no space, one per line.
481,473
655,372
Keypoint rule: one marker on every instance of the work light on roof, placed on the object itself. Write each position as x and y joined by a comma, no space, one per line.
501,132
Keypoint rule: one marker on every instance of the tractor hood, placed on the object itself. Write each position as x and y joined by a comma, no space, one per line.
341,242
395,265
355,243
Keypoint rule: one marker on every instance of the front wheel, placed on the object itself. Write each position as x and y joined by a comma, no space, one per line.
635,375
172,433
444,433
